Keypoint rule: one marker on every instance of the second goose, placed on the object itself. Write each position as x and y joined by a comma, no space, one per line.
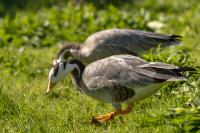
110,42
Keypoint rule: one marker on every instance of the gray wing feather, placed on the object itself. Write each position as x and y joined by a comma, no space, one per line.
126,69
109,90
159,74
121,77
157,71
158,65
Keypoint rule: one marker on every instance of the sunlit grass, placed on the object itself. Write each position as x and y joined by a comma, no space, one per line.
28,46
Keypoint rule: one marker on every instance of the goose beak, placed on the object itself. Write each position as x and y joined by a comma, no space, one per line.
50,87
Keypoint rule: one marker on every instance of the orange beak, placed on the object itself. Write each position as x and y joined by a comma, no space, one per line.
50,87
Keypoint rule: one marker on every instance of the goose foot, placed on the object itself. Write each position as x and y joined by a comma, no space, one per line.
110,116
103,118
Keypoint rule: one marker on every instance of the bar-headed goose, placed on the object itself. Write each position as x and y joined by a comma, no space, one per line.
110,42
117,79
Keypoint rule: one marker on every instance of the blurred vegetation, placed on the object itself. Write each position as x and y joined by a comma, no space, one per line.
31,33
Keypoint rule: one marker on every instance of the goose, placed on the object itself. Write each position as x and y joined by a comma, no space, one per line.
117,79
110,42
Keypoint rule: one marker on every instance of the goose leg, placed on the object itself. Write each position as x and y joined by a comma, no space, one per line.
111,115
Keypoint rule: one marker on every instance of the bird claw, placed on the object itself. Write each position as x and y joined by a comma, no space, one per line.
109,116
103,118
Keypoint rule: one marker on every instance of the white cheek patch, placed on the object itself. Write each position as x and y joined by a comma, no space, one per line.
52,77
62,72
51,73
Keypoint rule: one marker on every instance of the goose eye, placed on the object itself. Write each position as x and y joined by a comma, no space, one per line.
66,55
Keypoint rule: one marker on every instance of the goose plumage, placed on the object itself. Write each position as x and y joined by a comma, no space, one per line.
110,42
117,79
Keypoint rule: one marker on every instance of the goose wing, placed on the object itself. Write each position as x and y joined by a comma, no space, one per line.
121,77
123,41
107,90
130,70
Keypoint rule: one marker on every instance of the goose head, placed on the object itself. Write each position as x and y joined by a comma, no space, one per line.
60,69
67,51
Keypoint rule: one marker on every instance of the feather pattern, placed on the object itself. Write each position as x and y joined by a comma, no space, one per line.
118,78
123,41
121,77
110,42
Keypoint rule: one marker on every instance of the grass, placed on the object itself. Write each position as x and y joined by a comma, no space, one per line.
29,41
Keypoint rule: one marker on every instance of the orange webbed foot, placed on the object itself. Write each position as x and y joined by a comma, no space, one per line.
110,116
103,118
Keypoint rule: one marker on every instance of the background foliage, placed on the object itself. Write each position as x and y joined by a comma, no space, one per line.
31,33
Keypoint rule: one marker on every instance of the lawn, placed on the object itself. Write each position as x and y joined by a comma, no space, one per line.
31,35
